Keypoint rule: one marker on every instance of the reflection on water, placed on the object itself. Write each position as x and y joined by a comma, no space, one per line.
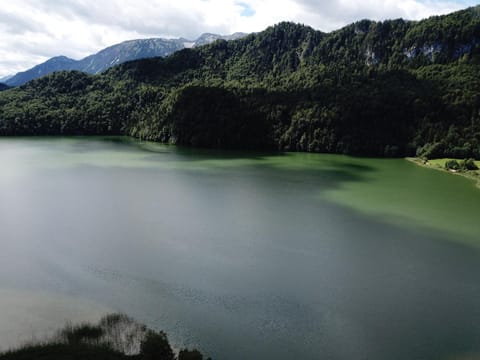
242,255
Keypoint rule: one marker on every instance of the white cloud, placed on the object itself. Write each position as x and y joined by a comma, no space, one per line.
31,31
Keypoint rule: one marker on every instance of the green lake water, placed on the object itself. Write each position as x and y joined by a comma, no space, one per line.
242,255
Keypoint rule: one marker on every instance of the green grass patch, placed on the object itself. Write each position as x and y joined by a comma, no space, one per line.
439,164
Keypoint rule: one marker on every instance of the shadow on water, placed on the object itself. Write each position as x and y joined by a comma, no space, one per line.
267,159
340,168
199,154
357,167
329,173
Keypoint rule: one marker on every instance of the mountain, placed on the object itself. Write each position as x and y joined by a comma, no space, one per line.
114,55
127,51
391,88
4,87
5,78
58,63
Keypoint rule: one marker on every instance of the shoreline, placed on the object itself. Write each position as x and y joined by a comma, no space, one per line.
436,164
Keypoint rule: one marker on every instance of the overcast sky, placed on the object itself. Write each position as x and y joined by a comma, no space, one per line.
31,31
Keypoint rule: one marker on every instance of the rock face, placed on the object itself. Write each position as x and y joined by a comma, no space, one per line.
114,55
208,38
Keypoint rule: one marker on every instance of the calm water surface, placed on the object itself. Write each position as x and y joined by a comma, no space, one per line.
243,255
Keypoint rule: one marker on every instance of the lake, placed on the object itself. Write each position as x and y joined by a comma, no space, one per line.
242,255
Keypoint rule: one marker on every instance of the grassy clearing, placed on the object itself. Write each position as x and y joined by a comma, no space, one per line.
439,164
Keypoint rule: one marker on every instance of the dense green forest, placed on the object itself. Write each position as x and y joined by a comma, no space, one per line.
391,88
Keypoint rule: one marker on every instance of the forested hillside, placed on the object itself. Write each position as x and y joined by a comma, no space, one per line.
390,88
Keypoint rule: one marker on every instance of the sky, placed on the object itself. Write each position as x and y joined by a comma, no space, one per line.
32,31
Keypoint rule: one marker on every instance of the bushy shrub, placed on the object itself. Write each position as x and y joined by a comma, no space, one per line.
84,333
190,355
155,346
469,164
452,165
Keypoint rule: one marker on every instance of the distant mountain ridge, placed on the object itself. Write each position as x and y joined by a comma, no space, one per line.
57,63
114,55
5,78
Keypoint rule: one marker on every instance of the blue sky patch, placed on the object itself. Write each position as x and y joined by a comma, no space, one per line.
247,10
